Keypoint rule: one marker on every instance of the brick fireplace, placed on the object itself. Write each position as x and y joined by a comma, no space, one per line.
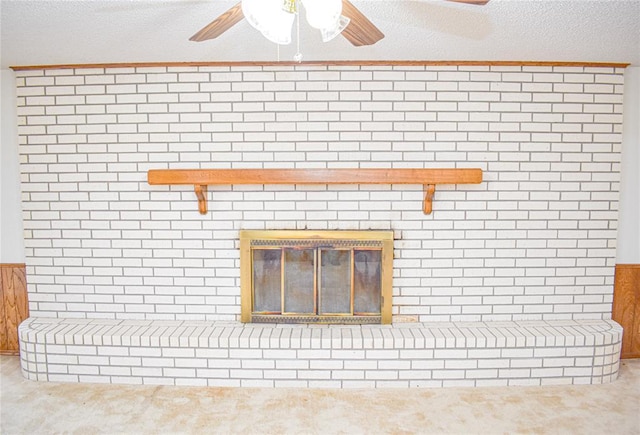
506,282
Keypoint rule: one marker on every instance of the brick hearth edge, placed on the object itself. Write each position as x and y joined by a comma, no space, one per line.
336,356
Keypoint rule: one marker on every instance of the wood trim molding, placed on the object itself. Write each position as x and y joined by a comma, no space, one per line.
13,306
626,307
201,178
12,265
327,63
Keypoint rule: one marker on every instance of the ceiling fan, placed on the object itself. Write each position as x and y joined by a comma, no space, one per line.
360,30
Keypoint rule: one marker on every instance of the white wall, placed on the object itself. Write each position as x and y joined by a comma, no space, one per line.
11,239
536,240
629,224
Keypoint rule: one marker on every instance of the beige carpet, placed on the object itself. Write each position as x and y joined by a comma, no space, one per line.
40,407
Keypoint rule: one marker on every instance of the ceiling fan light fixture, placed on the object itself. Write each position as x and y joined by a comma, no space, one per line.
323,14
270,18
359,30
275,18
255,12
279,31
329,33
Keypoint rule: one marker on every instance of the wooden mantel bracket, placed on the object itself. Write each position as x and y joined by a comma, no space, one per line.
429,191
201,194
201,178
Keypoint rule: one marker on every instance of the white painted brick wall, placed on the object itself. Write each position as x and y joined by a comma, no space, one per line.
534,241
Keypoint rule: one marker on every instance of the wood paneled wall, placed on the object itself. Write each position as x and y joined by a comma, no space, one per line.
626,307
14,307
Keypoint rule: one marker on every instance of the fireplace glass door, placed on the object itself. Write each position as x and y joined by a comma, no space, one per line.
314,280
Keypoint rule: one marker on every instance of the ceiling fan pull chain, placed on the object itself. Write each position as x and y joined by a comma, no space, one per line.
298,55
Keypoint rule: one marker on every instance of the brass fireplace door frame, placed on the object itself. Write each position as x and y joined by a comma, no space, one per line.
385,238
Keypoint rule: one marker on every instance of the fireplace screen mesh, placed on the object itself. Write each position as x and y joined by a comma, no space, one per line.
316,277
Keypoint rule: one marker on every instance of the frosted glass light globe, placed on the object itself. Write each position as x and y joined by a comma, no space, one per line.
322,14
270,19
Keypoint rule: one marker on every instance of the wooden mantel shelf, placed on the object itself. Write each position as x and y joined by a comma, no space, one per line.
201,178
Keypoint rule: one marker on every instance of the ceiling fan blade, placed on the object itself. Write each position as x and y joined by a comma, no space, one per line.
471,2
220,25
360,30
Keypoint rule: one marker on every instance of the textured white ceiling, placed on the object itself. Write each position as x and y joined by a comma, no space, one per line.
36,32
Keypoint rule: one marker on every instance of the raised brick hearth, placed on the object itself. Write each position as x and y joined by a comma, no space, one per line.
259,355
